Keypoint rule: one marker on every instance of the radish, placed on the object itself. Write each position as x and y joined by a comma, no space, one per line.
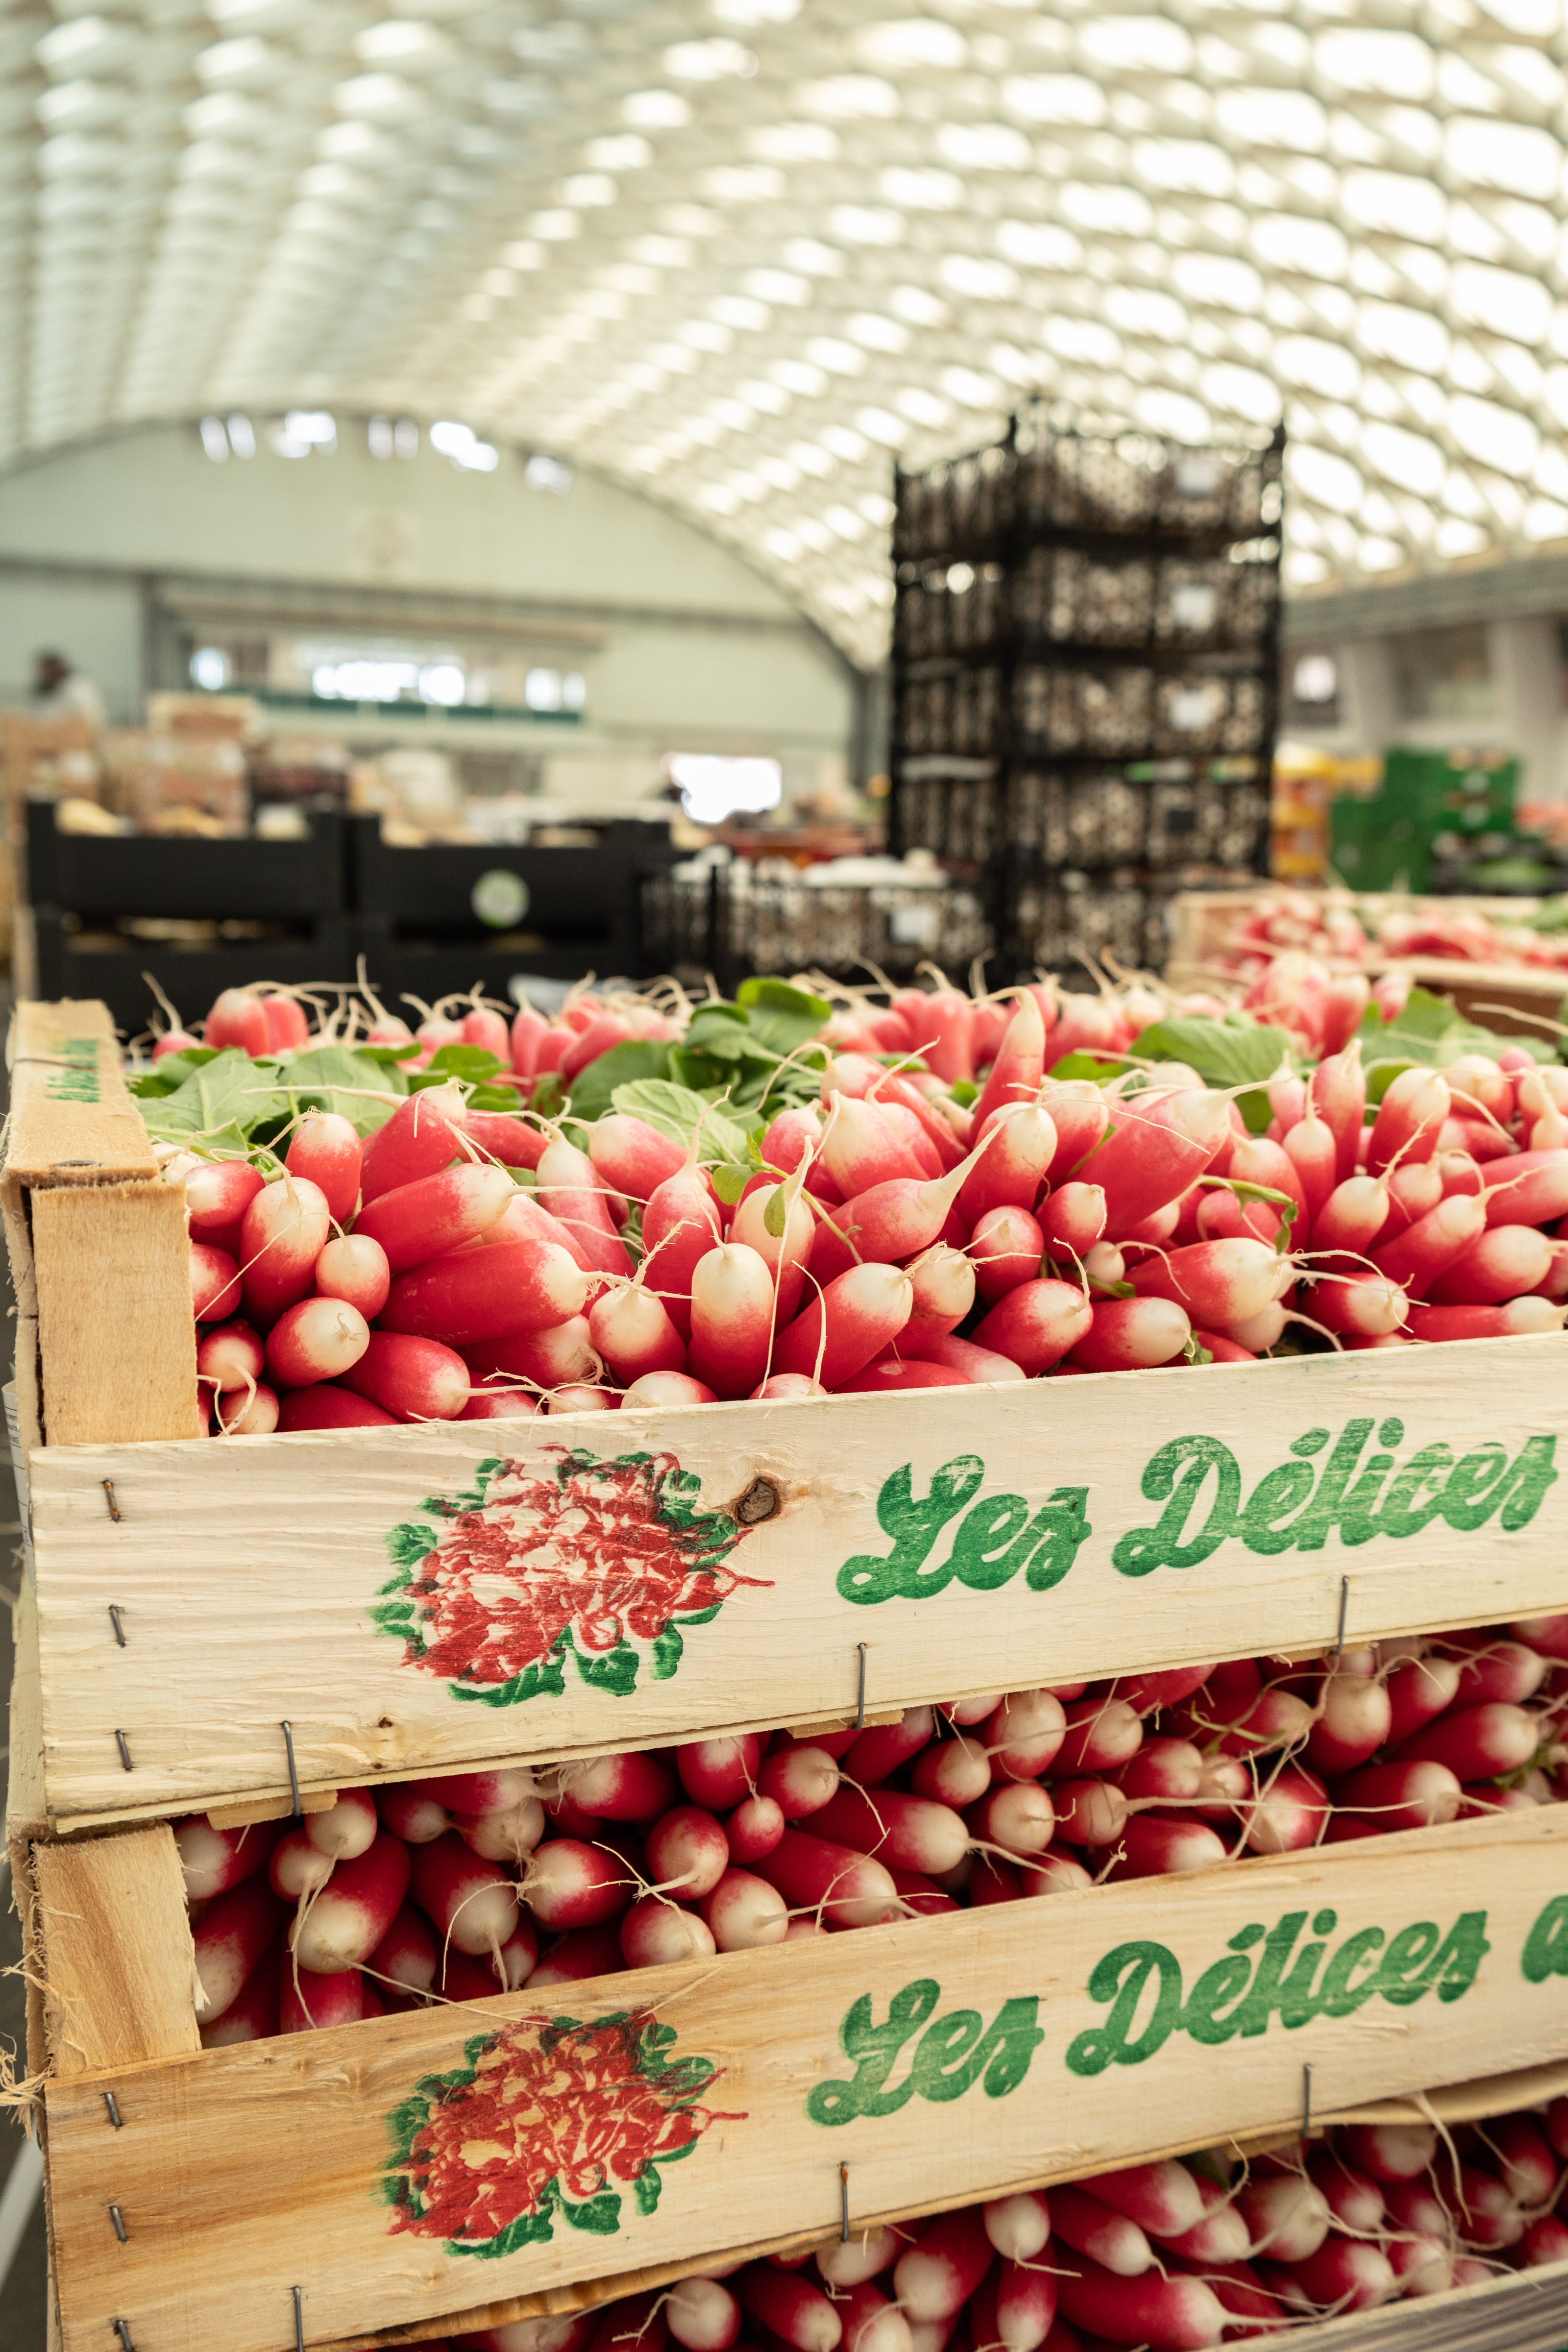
1389,2153
745,1912
872,1756
557,1356
669,1390
1082,2221
1365,1306
1053,1874
470,1902
1408,1120
1081,1114
1026,2306
406,1954
1162,2198
1291,1813
1156,1146
908,1833
1529,1188
508,1836
1167,2314
1344,2276
851,1321
346,1829
1488,2215
568,1187
1220,1282
894,1374
325,1406
1153,1845
413,1378
872,2323
845,1888
1019,1064
353,1267
1408,1796
585,1952
1312,1150
1418,1692
951,1771
252,2014
717,1773
1017,1816
850,2261
316,1339
1101,1734
217,1194
1025,1734
632,1332
688,1851
284,1233
508,1142
1222,2236
1019,2226
230,1938
731,1318
1089,1812
418,1222
1430,1248
485,1293
1544,2240
1475,1743
307,2002
1148,1692
238,1018
680,1225
1349,1221
1506,1261
1171,1771
1508,1672
1037,1324
1287,2217
350,1915
1412,1192
1010,1163
630,1787
256,1416
231,1356
790,2307
631,1157
936,2277
1130,1334
1524,2158
943,1281
800,1780
977,1364
1354,1718
753,1829
214,1284
1073,1220
523,1219
571,1883
655,1931
1518,1317
1353,2199
702,2314
1005,1247
212,1860
423,1136
325,1147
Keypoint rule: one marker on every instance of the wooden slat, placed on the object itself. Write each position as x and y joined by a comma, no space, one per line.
118,1952
248,1575
244,2172
72,1118
115,1335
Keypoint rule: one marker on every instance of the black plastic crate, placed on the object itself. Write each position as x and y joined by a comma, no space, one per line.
962,506
1131,710
1065,818
63,961
1072,922
742,918
1137,485
181,875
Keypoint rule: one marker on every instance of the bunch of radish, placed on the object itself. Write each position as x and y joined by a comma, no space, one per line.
1173,2255
454,1889
1294,923
476,1263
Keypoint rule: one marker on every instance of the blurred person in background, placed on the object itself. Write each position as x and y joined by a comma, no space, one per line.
61,692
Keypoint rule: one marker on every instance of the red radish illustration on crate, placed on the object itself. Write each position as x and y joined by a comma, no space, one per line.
547,2116
563,1555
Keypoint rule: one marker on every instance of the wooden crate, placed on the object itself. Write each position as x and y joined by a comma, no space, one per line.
369,1603
1512,998
1520,2311
792,2083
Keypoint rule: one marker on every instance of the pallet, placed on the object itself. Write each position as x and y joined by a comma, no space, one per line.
1511,998
795,2083
242,1624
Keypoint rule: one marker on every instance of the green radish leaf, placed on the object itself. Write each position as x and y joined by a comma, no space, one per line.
1195,1352
675,1111
473,1062
593,1090
964,1092
390,1057
219,1105
335,1077
730,1180
166,1077
779,1015
1101,1067
775,1216
548,1099
1224,1053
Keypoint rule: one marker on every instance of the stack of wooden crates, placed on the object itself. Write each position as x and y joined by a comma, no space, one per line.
197,1635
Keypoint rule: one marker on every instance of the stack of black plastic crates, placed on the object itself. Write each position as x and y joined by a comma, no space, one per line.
1085,679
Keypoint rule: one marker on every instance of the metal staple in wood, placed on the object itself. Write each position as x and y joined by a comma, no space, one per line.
107,1486
124,1752
860,1701
114,1620
293,1771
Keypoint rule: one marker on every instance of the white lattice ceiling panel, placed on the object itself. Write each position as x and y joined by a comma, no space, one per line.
741,259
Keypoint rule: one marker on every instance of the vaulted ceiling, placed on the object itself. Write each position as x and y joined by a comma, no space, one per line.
741,255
